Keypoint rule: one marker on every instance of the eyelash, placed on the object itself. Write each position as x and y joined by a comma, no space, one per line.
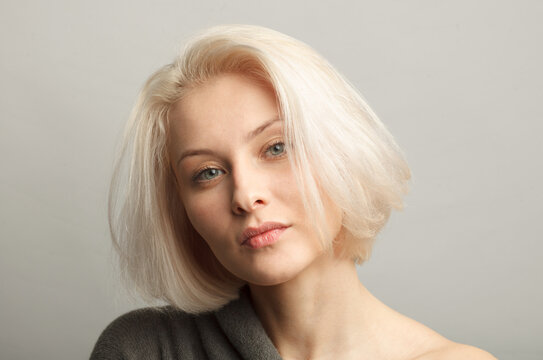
198,174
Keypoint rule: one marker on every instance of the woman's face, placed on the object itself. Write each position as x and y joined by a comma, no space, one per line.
233,173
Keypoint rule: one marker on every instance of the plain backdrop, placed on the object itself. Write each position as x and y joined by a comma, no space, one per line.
458,83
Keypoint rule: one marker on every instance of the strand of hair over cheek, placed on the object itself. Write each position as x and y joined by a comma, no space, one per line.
293,115
361,165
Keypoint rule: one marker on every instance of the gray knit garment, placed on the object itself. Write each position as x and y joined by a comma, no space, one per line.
233,332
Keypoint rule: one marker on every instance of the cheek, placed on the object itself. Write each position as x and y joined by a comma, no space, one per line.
284,187
333,213
206,213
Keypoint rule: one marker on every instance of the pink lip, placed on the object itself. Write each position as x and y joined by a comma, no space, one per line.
264,235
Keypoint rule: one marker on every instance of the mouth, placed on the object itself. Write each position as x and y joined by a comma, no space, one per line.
266,234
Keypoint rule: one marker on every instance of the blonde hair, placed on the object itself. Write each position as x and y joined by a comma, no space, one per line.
336,144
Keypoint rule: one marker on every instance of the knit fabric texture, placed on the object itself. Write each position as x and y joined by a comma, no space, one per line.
232,332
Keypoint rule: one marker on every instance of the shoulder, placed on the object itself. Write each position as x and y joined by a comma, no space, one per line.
141,321
144,333
454,351
416,341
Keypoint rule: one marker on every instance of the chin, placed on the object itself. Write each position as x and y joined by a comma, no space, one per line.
275,269
269,279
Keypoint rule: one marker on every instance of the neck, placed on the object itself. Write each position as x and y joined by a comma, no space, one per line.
323,309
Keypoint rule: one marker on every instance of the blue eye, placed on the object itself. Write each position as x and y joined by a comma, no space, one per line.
277,148
206,174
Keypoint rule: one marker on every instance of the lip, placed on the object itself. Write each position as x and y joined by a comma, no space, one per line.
264,235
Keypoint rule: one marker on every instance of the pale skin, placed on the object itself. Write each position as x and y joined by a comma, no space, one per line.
310,301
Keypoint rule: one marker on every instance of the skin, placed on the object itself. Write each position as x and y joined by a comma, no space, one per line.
310,302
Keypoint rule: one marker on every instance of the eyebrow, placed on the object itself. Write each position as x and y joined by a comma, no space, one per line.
247,138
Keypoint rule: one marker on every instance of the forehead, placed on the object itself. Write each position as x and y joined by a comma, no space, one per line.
226,106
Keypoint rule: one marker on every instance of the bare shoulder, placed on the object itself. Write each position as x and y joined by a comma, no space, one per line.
455,351
406,338
427,344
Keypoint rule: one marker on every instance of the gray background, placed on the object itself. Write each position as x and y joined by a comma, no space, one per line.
456,82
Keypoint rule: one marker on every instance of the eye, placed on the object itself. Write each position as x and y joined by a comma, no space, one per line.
206,174
276,149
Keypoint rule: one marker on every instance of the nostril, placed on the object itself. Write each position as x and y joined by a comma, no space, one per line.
257,203
238,210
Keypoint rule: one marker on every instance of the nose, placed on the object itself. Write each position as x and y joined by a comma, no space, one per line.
249,189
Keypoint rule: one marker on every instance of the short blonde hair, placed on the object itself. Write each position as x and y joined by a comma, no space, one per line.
336,144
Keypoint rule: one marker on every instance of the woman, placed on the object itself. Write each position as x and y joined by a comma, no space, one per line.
257,178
